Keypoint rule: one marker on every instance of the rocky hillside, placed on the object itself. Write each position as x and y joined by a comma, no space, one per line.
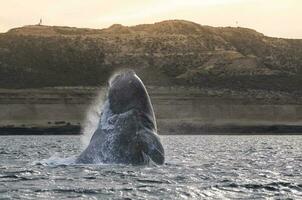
174,52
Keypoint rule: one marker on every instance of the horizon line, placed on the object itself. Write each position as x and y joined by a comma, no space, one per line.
102,28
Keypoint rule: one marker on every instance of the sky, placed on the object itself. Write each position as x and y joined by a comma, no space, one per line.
276,18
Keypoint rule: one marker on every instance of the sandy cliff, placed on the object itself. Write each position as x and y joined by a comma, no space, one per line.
179,110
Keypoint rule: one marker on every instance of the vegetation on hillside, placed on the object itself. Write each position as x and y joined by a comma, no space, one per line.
165,53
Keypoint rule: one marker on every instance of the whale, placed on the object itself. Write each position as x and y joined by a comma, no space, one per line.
127,130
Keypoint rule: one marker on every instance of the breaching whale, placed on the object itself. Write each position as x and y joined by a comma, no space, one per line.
127,132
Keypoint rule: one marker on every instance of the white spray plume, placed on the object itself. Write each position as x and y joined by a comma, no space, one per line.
92,118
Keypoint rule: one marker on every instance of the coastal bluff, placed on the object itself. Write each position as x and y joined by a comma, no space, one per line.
179,110
201,79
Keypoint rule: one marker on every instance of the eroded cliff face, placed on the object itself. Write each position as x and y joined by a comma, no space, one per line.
167,53
178,110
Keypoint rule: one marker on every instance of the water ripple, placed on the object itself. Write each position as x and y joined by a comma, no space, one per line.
197,167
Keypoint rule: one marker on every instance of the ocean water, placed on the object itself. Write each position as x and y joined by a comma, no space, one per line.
197,167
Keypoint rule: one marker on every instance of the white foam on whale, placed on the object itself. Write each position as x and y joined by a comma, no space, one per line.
92,118
99,115
92,121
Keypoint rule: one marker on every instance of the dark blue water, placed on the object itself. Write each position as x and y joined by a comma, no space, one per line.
197,167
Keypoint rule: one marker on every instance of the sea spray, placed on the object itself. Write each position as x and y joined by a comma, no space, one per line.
93,113
92,118
55,160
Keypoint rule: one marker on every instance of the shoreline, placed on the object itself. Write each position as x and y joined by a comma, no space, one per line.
183,129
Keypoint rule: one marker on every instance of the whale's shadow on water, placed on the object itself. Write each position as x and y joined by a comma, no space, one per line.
126,132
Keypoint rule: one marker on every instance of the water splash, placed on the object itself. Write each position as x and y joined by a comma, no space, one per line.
92,118
56,160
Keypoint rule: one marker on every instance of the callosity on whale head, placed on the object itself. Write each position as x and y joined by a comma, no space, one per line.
127,132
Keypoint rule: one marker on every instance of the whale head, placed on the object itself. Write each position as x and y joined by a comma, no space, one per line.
127,92
127,132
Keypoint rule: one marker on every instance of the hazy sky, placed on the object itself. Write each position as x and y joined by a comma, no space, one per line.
279,18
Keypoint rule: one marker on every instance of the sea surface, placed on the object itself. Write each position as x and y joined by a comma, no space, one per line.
197,167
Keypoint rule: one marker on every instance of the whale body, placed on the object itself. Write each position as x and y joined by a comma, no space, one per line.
127,132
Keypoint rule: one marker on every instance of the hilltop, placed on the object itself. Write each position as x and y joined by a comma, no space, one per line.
167,53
